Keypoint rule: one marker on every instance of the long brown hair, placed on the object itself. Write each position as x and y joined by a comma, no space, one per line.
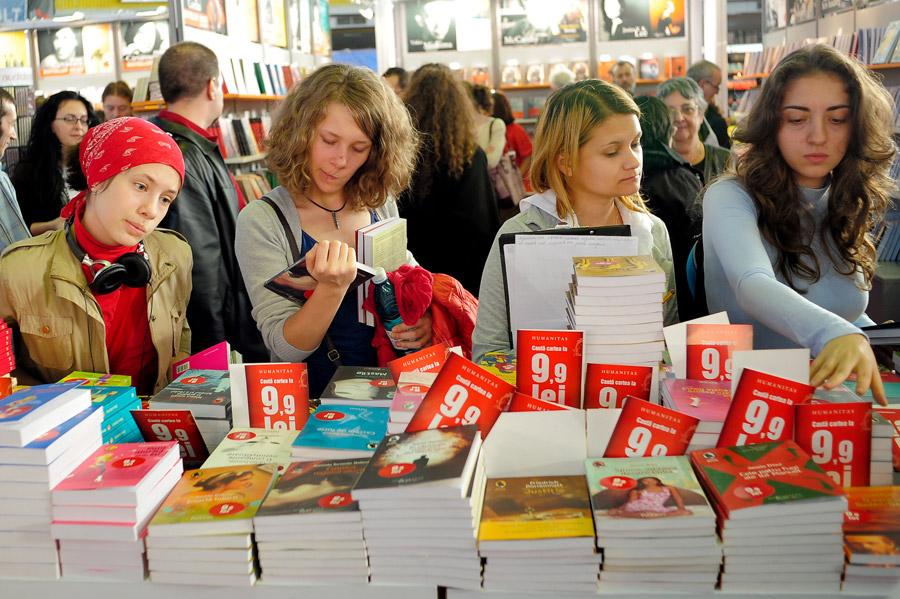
444,115
377,112
860,186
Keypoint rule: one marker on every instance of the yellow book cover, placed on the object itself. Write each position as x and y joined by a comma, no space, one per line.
98,379
501,364
617,266
216,494
536,507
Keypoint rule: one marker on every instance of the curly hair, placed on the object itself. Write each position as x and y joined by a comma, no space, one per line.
377,112
860,185
444,115
569,118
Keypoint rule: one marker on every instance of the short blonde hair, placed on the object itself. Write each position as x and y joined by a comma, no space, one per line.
569,118
377,112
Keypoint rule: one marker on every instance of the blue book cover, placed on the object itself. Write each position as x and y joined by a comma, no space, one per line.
344,427
127,432
25,404
120,416
112,399
51,444
206,393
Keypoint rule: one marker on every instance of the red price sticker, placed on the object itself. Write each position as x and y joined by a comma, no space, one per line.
396,470
335,500
607,385
228,508
462,393
838,437
277,396
619,483
762,409
645,429
710,347
330,415
549,365
753,493
173,425
241,435
125,463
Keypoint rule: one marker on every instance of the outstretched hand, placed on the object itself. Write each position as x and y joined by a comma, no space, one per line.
843,356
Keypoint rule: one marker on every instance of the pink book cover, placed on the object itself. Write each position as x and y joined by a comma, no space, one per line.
123,465
411,390
707,401
212,358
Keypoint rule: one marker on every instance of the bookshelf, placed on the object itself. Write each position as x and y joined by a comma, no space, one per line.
236,160
157,105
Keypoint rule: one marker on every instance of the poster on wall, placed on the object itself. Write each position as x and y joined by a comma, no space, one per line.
776,14
14,51
473,25
639,19
208,15
98,49
430,26
13,11
272,26
321,28
830,6
60,52
537,22
801,11
141,41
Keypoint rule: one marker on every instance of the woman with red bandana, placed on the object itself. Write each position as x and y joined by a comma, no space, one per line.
108,292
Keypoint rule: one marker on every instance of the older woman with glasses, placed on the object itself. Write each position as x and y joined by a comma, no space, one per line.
684,99
39,177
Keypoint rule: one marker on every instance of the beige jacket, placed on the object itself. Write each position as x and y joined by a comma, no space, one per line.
44,291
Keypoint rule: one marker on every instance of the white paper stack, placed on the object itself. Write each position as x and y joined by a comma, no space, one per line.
654,525
100,511
309,529
46,432
881,471
618,303
416,500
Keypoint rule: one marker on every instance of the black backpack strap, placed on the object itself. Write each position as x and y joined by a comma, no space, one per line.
333,354
292,242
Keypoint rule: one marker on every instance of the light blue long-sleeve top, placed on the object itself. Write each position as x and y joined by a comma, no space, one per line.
740,278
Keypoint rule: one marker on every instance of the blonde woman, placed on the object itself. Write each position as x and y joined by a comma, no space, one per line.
587,169
342,146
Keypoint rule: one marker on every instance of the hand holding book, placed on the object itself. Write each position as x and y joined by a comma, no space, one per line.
845,355
328,263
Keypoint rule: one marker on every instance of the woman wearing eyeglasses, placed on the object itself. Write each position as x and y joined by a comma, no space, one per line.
686,105
39,177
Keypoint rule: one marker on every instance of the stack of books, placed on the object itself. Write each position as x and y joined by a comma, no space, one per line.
207,394
654,524
309,529
779,514
411,390
253,446
202,532
708,401
872,541
367,386
417,508
118,402
618,303
101,510
881,471
336,432
536,534
43,440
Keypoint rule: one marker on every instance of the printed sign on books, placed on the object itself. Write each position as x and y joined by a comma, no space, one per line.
646,429
607,385
839,439
709,349
549,365
277,396
173,425
430,359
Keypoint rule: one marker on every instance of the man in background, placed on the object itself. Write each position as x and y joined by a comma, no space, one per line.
709,77
623,75
208,204
12,225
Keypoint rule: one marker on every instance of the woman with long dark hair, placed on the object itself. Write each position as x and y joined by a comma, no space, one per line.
786,235
451,192
40,176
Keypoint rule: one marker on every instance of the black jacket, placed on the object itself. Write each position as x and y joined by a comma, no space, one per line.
672,189
206,214
451,222
719,126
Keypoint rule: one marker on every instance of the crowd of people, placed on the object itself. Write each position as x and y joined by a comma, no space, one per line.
130,244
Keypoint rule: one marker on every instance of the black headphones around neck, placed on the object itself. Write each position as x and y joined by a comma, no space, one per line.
131,269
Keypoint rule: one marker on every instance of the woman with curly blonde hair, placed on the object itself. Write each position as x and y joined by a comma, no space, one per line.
786,236
342,146
451,191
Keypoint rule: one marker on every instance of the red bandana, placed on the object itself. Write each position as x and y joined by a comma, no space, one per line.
118,145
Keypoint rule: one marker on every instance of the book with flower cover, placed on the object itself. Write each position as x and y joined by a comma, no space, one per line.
872,525
117,474
317,491
429,463
252,446
29,413
213,501
646,493
533,508
766,479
